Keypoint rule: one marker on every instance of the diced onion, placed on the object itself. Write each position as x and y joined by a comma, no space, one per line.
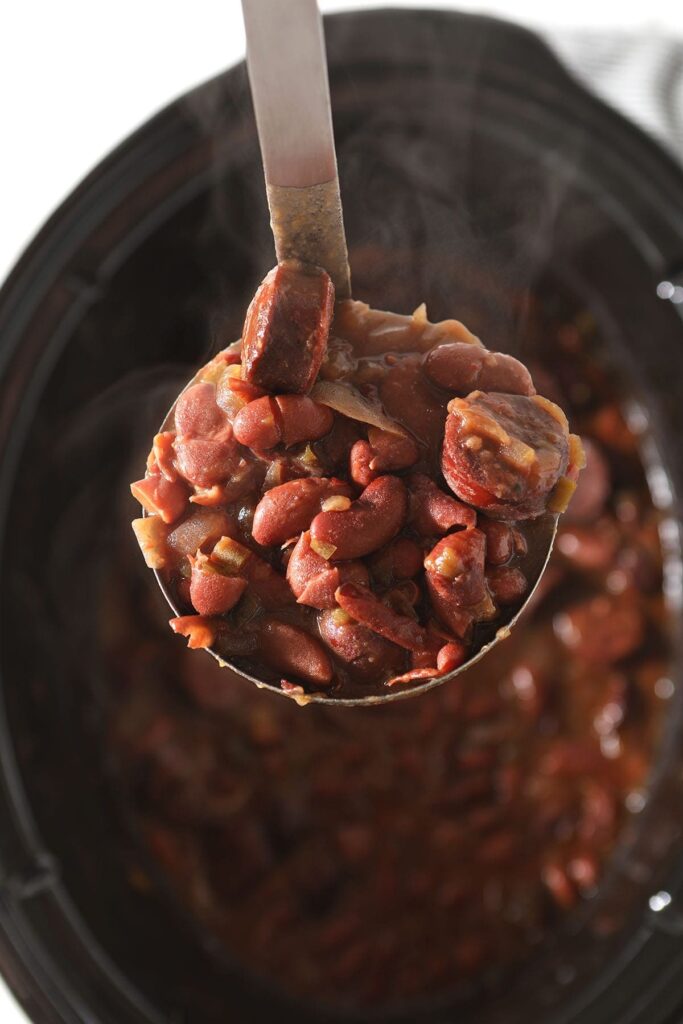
321,548
151,532
229,556
562,494
336,503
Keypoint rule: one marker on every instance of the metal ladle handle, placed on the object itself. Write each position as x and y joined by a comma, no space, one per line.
291,94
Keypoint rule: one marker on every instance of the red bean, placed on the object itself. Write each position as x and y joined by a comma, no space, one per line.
400,560
257,425
382,452
197,414
432,511
366,655
211,593
313,580
365,607
287,510
499,540
302,419
286,419
205,461
507,585
371,521
292,650
462,368
454,573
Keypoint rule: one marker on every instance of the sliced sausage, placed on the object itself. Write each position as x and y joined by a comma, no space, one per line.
505,453
286,328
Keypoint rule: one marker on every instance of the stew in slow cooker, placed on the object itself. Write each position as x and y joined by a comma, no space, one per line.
360,857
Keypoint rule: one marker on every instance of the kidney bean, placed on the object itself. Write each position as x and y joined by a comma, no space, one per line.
382,452
507,585
462,368
212,593
257,424
292,650
365,607
197,414
199,630
312,578
505,453
602,630
451,656
302,419
287,510
286,328
205,461
234,559
459,559
289,419
371,521
432,511
500,545
454,573
200,531
366,654
333,450
400,560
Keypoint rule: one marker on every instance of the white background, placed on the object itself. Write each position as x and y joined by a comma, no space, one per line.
76,77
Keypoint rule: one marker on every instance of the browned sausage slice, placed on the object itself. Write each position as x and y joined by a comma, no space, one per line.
505,453
286,328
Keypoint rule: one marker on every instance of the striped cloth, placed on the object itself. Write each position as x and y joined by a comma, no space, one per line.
641,75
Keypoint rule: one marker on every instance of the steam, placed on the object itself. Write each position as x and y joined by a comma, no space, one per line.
435,208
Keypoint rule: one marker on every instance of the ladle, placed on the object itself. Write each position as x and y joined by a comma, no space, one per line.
288,75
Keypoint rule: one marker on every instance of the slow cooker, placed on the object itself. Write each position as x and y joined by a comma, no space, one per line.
472,165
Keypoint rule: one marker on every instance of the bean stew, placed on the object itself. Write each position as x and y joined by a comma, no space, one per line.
340,502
